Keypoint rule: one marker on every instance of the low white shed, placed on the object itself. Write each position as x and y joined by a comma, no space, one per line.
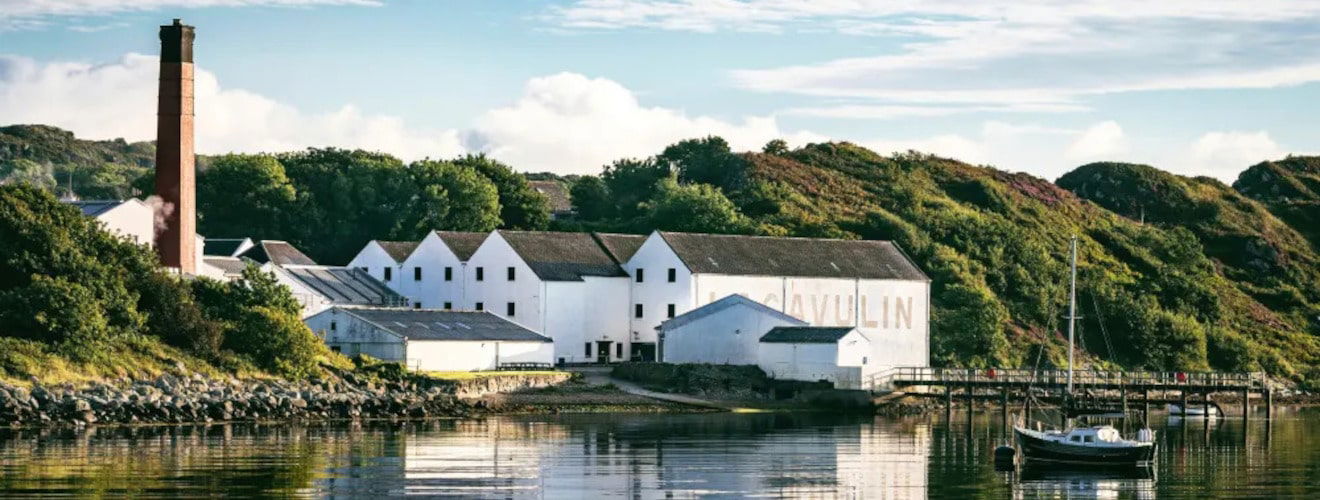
726,331
813,353
430,339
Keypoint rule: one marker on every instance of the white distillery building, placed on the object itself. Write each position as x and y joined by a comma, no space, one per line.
838,354
318,288
426,339
129,218
870,285
430,272
725,332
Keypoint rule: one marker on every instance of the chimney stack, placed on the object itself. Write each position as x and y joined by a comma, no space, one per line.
175,170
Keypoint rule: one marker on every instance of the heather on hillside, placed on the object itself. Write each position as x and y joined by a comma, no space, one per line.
1290,189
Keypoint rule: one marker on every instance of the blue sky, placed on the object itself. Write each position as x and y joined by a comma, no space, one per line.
1197,87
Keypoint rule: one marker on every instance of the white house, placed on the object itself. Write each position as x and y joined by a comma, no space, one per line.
727,331
319,288
870,285
425,339
565,285
839,354
130,218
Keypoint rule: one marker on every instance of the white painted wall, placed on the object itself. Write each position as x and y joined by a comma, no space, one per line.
495,290
132,219
375,259
841,363
353,335
730,336
655,293
449,355
605,313
433,291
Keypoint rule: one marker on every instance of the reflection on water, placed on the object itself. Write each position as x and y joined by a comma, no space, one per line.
641,456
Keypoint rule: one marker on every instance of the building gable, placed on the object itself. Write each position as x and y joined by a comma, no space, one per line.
723,304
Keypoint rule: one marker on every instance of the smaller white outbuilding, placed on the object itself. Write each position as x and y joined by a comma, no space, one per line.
839,354
429,339
724,332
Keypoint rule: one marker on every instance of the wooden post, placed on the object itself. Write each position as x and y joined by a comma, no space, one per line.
1269,404
1026,410
1123,391
1182,410
969,405
1205,404
948,404
1145,407
1003,407
1246,408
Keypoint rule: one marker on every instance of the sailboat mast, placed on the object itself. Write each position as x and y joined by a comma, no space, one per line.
1072,310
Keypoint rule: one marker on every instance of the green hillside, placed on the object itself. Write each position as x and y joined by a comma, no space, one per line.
1290,189
54,158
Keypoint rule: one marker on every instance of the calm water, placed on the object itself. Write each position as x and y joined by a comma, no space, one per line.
641,456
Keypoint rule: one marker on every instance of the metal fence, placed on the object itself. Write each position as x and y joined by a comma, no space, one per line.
904,376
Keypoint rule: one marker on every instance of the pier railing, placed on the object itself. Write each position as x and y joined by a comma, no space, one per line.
895,378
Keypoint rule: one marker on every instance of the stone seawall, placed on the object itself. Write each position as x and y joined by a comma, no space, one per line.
196,399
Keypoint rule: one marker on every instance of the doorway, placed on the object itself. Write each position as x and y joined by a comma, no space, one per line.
603,351
642,351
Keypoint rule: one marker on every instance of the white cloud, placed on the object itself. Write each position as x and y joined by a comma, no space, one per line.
1226,154
1103,141
119,100
569,123
20,14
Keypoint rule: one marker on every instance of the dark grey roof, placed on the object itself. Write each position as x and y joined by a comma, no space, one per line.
722,304
806,257
563,256
620,246
224,247
230,265
94,208
345,285
463,244
278,253
434,324
806,334
398,250
556,193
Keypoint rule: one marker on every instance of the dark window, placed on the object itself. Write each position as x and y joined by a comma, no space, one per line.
511,273
334,326
481,274
673,275
637,310
417,274
671,310
588,349
641,275
449,305
509,309
618,350
481,306
388,273
334,348
417,305
449,274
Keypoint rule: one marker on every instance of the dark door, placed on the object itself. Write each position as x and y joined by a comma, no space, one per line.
642,351
603,351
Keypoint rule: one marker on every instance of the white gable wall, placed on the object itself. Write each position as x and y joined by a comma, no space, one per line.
375,259
729,336
132,219
655,293
312,302
452,355
433,256
495,290
839,363
353,335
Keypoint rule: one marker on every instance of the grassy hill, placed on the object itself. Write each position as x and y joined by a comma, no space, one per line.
51,157
1290,189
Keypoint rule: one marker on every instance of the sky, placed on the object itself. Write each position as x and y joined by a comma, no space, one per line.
1197,87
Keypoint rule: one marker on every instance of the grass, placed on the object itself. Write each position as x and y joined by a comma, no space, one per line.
24,361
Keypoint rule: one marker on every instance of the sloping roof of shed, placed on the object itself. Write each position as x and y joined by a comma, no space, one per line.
279,253
562,256
229,265
93,208
620,246
345,285
806,334
398,250
433,324
462,243
722,304
803,257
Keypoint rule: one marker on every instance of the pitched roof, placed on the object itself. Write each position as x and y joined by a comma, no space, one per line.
806,334
345,285
722,304
620,246
462,243
279,253
225,247
398,250
779,256
93,208
228,265
562,256
434,324
556,193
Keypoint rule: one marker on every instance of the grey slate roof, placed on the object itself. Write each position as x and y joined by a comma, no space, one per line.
398,250
345,285
556,193
224,247
279,253
230,265
562,256
620,246
804,257
93,208
806,334
433,324
722,304
462,243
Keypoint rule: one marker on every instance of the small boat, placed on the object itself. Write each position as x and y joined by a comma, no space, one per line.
1192,411
1099,445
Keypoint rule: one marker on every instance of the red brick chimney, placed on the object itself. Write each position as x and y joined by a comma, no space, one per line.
175,170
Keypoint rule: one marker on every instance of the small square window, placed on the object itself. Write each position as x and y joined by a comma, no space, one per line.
637,310
670,312
481,306
481,274
417,305
334,326
449,305
618,350
417,273
388,273
588,349
449,274
673,275
509,309
641,275
511,272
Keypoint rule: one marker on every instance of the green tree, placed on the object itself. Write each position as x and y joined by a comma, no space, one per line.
631,183
775,147
450,197
969,328
707,160
591,199
346,198
695,208
28,171
246,196
521,207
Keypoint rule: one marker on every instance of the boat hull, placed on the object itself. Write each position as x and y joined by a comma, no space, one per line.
1042,450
